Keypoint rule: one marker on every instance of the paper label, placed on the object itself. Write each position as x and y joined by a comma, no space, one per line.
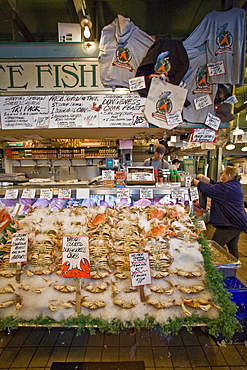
194,194
137,83
177,193
216,69
213,121
202,102
108,175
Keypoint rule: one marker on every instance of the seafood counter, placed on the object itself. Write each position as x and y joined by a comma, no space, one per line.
44,286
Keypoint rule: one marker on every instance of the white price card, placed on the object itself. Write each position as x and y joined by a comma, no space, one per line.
123,193
18,251
46,194
139,269
137,83
177,193
75,261
202,102
216,69
64,193
194,194
146,193
201,224
11,193
212,121
28,193
174,118
82,193
107,175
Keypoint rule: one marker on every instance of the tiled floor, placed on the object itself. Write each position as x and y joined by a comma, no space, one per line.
36,348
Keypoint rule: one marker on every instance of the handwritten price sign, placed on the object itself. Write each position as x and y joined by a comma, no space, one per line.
18,251
202,102
174,118
64,193
137,83
75,256
213,121
177,193
46,194
146,193
11,193
123,193
203,135
107,175
216,69
139,269
28,193
194,194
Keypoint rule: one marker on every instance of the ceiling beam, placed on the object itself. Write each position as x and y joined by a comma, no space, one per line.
22,29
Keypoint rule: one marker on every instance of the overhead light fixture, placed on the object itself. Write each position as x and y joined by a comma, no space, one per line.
237,130
86,25
244,149
230,146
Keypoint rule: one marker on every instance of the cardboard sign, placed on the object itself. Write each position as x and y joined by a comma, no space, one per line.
146,193
18,251
216,69
28,193
139,269
202,102
213,121
137,83
11,193
194,194
123,193
75,253
203,135
46,194
177,193
64,193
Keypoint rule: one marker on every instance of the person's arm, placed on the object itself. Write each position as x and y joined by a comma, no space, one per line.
202,178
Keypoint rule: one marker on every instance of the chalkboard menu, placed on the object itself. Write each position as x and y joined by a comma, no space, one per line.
72,111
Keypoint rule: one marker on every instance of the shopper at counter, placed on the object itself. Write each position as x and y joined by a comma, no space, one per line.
227,213
157,160
175,164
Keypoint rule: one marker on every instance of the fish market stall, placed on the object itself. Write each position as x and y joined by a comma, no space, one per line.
78,268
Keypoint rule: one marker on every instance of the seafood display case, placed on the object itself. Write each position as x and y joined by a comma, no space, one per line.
61,283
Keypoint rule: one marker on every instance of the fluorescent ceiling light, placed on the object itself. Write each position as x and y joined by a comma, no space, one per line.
244,149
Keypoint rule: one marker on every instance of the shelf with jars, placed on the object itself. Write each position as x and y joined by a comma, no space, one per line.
82,149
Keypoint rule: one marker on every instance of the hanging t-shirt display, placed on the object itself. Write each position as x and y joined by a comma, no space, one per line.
165,57
224,35
164,104
122,48
199,89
